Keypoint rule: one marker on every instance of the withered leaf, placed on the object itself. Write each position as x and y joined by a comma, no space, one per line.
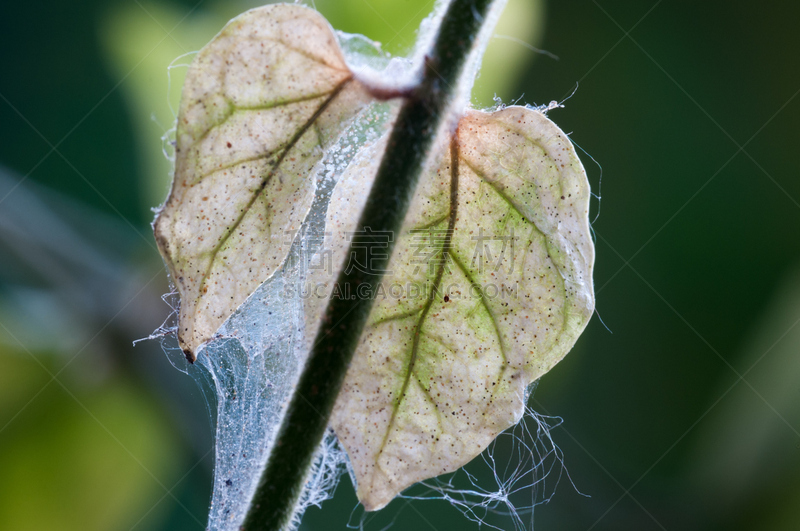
489,286
260,104
490,281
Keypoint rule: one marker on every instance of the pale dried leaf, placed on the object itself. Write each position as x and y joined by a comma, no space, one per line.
260,105
490,285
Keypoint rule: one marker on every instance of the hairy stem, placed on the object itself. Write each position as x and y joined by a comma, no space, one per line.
421,116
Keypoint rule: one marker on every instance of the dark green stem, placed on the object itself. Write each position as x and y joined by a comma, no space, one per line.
306,418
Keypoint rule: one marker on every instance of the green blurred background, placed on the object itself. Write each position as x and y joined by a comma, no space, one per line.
682,412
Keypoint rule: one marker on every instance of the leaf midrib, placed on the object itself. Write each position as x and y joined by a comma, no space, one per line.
233,109
289,145
451,222
448,254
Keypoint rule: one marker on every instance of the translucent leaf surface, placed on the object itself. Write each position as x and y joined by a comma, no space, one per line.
260,105
254,363
489,286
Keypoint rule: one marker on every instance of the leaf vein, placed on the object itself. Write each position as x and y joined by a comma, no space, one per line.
454,158
301,131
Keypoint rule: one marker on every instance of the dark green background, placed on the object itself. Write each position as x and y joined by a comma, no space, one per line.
681,413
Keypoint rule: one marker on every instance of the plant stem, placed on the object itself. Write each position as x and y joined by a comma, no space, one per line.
418,122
